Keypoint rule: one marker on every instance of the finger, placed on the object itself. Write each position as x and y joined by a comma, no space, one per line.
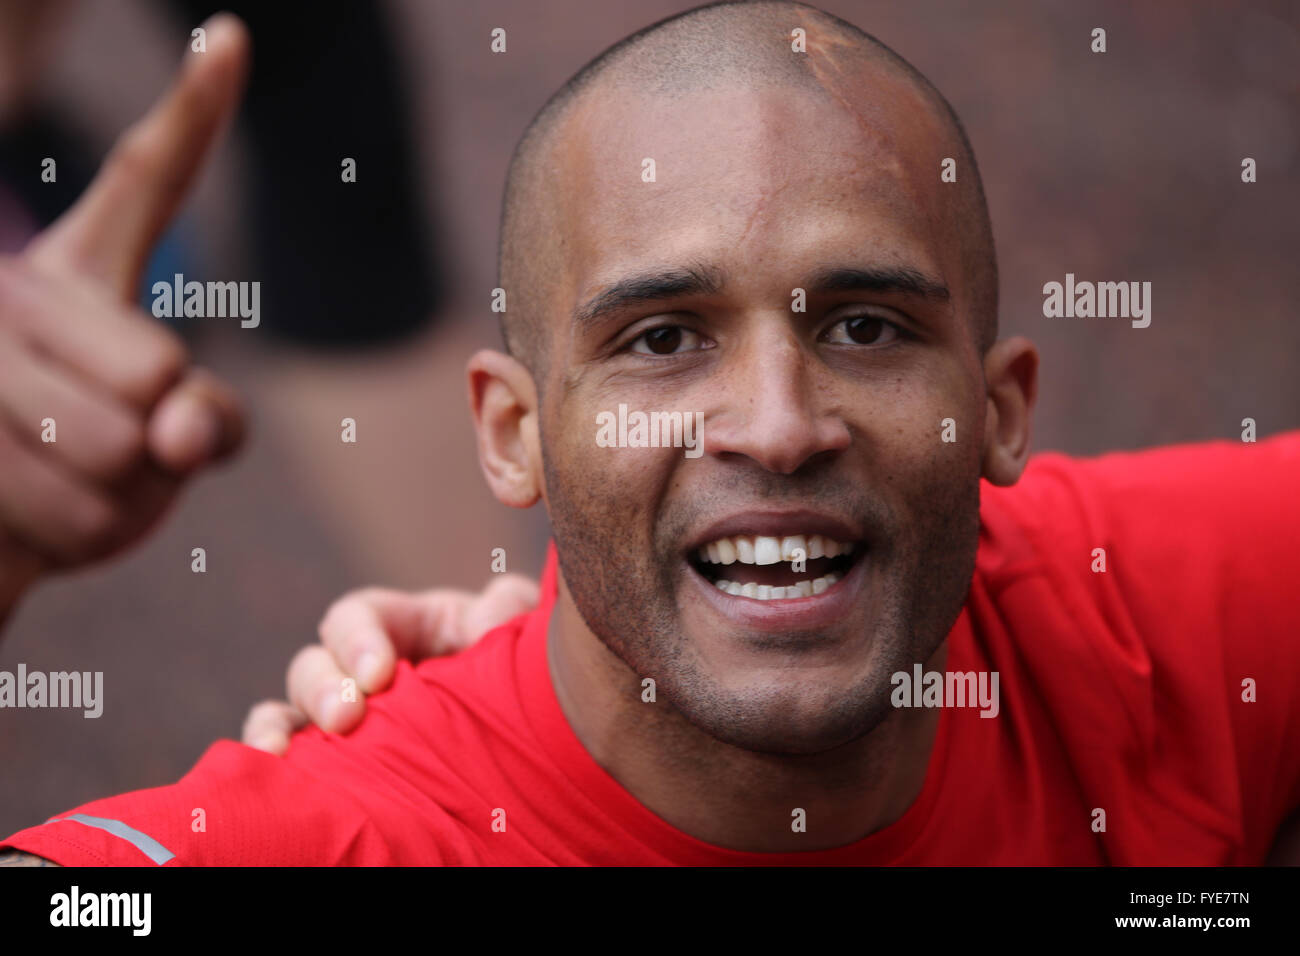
143,497
97,437
270,724
111,229
315,686
505,598
198,421
367,631
65,520
120,349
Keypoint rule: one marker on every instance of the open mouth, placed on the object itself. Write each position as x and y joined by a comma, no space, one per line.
762,567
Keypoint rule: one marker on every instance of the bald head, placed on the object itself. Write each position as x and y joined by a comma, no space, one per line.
723,46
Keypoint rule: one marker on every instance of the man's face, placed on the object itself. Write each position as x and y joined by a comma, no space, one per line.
821,422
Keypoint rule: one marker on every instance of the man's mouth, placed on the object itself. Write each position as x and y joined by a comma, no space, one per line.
763,567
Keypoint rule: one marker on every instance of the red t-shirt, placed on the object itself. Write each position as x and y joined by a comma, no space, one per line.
1121,690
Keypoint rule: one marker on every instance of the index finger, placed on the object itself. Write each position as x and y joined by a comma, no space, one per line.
110,230
367,631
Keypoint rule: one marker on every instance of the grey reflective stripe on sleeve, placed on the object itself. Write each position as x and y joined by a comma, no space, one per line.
141,841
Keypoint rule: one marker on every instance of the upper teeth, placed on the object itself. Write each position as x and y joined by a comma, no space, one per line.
760,549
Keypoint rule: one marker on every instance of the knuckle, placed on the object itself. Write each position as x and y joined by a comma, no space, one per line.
263,713
140,157
125,442
265,708
311,673
256,716
367,595
330,619
301,662
308,669
295,674
437,600
96,526
346,607
133,157
440,617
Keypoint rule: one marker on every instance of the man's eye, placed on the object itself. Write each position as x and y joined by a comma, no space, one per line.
666,340
863,330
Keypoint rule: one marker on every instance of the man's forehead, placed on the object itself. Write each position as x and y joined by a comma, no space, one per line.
774,174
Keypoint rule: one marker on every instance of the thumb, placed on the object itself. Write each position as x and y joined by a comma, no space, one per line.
198,421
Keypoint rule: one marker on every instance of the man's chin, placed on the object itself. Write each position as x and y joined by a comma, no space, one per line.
787,676
788,721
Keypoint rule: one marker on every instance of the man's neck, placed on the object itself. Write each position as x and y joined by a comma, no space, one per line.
722,794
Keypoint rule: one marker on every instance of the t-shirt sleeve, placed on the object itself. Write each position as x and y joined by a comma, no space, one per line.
1201,552
236,807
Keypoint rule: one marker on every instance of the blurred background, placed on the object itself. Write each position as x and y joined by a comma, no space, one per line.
1117,166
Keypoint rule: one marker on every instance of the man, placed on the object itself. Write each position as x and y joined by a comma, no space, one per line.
729,660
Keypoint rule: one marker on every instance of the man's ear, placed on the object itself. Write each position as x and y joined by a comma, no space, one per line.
503,400
1011,377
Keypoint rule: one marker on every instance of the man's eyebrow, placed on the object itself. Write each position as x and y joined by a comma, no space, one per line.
904,281
699,280
649,287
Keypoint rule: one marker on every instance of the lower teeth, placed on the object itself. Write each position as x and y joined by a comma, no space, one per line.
764,592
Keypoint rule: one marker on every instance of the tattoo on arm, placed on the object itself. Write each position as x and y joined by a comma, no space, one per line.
19,858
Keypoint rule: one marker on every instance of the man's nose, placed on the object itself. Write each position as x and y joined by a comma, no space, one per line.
778,404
